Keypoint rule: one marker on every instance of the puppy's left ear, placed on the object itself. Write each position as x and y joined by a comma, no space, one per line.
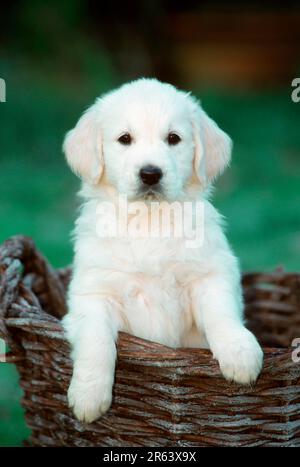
212,146
83,147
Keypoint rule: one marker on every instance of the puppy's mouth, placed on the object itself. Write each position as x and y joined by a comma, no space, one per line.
151,194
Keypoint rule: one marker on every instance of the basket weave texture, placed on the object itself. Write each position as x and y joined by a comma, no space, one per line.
162,396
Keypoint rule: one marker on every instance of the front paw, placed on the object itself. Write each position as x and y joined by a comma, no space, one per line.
89,399
241,358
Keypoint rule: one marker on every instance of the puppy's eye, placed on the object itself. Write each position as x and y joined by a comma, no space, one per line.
173,139
125,139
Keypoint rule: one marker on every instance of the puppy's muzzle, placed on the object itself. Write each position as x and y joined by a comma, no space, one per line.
150,175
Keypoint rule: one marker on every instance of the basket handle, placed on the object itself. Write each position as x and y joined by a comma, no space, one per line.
18,257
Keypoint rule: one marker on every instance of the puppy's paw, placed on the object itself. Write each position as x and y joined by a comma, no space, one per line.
241,358
89,399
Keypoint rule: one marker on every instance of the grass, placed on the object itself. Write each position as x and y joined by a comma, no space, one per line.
259,195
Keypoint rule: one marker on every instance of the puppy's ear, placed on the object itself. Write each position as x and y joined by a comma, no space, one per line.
212,146
83,147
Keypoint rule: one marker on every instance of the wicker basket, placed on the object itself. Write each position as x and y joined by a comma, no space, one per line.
162,396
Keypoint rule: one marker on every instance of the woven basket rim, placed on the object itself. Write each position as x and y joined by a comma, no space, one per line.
175,396
17,248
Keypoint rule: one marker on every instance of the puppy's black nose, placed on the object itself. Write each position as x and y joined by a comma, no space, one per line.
150,174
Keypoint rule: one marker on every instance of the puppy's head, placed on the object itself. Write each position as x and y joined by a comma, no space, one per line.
149,139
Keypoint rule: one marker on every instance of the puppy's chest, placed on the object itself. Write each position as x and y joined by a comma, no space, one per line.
155,291
153,256
156,306
154,266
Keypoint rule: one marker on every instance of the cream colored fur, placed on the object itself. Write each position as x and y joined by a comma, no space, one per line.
157,289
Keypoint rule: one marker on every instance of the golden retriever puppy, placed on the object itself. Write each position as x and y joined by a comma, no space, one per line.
142,151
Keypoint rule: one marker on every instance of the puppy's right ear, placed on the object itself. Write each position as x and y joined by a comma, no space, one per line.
83,147
212,145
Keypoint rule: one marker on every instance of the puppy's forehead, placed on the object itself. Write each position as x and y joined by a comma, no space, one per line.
148,104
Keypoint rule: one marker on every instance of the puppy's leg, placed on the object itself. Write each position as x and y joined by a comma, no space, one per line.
92,332
218,310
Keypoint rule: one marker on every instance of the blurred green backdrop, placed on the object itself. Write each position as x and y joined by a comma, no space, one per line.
57,57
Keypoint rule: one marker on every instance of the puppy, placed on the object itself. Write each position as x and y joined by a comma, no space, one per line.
154,145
